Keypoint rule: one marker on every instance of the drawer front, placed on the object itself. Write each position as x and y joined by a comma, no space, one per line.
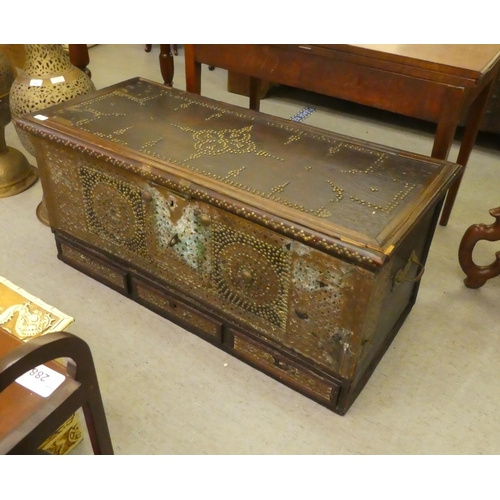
277,365
93,266
176,310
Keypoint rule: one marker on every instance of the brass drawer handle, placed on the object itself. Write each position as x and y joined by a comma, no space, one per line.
402,274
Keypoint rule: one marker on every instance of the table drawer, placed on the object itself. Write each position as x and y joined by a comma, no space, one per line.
176,310
287,371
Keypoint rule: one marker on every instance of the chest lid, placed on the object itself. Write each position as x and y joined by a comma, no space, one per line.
331,186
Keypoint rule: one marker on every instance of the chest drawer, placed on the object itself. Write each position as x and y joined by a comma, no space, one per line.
175,308
282,368
92,264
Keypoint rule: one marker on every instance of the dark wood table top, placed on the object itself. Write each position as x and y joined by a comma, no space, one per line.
461,60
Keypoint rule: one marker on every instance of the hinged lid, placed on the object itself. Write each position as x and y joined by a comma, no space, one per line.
357,193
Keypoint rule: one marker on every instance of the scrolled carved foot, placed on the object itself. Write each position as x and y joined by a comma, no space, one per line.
478,275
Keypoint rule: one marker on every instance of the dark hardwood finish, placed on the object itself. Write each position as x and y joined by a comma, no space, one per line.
166,62
478,275
148,48
491,119
79,56
439,83
240,84
297,250
28,419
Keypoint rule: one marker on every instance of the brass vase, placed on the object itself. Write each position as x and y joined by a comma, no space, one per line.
16,174
47,78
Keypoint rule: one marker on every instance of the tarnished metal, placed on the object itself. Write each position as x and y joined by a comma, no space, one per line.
47,78
402,274
16,174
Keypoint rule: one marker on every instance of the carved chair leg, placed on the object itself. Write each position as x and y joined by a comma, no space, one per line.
79,56
478,275
167,64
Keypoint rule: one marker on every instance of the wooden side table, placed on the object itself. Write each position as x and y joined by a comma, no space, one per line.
19,403
439,83
25,317
37,394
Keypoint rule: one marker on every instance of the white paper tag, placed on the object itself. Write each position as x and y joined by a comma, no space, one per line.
36,83
57,79
42,380
41,117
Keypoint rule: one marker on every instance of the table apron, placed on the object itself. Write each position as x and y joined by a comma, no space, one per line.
373,87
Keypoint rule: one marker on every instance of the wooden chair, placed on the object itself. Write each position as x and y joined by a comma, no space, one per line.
166,62
27,419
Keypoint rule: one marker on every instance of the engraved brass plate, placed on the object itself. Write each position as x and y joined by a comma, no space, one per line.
25,317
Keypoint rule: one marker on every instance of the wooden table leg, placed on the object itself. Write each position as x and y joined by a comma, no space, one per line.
476,112
255,84
447,124
478,275
167,64
193,71
79,56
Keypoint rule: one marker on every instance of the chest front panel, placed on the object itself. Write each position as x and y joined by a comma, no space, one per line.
296,296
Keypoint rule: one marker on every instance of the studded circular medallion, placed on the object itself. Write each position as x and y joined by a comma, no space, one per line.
113,211
249,275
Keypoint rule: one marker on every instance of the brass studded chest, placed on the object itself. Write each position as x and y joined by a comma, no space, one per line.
297,250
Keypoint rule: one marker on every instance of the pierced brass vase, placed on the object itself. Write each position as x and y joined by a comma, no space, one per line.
16,174
47,78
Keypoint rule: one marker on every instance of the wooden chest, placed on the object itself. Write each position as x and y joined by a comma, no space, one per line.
297,250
